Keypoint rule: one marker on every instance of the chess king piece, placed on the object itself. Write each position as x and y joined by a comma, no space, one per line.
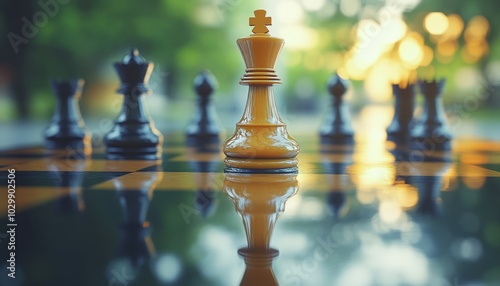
259,199
336,128
134,135
204,127
67,129
261,142
135,193
404,105
431,131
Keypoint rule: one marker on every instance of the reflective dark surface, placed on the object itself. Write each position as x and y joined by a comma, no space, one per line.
364,215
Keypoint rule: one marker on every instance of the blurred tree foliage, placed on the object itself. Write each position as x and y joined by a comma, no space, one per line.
83,38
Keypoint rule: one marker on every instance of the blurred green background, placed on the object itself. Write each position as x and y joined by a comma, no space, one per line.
372,42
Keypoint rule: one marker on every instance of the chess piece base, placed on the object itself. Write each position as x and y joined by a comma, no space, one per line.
431,144
133,153
244,165
204,139
340,139
83,143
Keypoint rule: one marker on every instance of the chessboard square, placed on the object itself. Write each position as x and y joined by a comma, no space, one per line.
199,157
31,196
25,152
466,170
7,162
121,165
69,165
168,181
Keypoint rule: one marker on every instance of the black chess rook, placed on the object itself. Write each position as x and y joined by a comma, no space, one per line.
336,128
133,135
67,129
204,127
431,131
399,130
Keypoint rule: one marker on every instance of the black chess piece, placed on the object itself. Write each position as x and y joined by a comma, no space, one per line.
335,163
135,231
336,128
431,131
134,135
67,129
205,200
404,106
429,186
204,127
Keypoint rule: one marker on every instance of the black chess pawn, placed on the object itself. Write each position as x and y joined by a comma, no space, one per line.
404,106
67,129
336,128
431,130
204,127
134,135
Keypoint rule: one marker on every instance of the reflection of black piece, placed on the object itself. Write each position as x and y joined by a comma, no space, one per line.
203,128
431,132
205,200
429,185
336,128
404,105
336,202
135,231
66,176
67,128
133,136
336,198
429,189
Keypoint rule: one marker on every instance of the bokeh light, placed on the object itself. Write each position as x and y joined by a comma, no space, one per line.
436,23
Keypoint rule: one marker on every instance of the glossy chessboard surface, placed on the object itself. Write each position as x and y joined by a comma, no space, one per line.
368,214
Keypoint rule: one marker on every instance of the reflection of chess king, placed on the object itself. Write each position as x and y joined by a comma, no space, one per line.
259,199
261,140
